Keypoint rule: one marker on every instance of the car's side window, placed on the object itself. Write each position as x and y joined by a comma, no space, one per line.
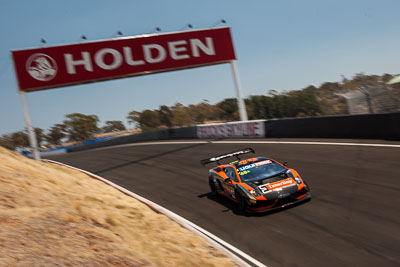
230,172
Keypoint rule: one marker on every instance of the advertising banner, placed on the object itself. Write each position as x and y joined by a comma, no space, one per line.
250,129
56,66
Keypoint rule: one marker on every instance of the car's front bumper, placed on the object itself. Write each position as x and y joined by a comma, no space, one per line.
270,205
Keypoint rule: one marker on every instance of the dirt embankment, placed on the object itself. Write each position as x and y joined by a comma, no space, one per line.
51,215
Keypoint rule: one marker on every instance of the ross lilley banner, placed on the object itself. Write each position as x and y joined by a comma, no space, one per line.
56,66
248,129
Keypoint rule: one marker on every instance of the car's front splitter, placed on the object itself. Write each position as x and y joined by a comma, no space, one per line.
279,204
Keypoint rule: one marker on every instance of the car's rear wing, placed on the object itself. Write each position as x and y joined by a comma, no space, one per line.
228,155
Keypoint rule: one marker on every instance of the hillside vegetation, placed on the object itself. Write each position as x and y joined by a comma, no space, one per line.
52,215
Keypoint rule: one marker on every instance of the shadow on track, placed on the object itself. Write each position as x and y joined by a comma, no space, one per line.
231,206
148,158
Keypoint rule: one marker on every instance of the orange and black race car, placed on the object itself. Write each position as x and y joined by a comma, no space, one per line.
256,184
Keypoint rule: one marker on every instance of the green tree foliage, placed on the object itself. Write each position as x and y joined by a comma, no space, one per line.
7,142
165,115
259,107
180,115
147,120
133,117
56,134
40,136
80,127
228,109
113,126
203,111
20,139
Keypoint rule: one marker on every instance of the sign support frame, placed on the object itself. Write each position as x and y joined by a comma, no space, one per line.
239,94
33,74
28,125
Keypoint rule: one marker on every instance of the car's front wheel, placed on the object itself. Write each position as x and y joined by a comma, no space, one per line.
306,186
241,201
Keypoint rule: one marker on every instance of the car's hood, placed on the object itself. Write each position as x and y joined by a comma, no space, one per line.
276,186
273,179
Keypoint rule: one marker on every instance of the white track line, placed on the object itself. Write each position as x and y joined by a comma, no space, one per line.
214,240
252,142
306,143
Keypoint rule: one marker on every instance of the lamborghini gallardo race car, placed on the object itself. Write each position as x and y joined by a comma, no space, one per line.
256,184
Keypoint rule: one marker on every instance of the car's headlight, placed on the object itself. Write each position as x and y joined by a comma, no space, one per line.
255,193
291,175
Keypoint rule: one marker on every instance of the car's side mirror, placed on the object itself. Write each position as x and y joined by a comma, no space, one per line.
217,169
285,164
229,180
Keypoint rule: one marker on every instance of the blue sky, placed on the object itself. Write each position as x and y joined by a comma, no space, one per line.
281,45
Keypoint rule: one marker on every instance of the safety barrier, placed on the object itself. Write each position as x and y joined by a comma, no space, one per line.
372,126
167,134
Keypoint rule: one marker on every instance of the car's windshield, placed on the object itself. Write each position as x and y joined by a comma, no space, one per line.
259,170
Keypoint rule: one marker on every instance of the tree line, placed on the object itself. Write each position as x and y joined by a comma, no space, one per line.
75,128
326,99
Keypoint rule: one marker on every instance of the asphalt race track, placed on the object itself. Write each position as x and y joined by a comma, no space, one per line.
353,218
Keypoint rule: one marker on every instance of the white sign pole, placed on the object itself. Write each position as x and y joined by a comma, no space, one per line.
239,94
31,132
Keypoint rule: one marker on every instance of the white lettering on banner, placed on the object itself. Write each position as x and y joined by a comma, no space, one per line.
151,53
99,59
129,58
232,130
148,54
174,50
85,61
207,49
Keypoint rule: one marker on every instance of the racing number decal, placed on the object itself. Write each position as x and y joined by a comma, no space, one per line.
263,188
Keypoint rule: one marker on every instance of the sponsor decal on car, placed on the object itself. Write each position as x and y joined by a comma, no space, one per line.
244,172
279,184
257,164
276,185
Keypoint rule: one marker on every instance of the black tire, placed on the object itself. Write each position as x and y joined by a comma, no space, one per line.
213,187
241,202
306,186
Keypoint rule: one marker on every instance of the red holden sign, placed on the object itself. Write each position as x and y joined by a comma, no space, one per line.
56,66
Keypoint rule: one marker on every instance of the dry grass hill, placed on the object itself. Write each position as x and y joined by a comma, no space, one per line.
52,215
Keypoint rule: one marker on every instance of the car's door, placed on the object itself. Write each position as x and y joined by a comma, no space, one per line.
228,184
